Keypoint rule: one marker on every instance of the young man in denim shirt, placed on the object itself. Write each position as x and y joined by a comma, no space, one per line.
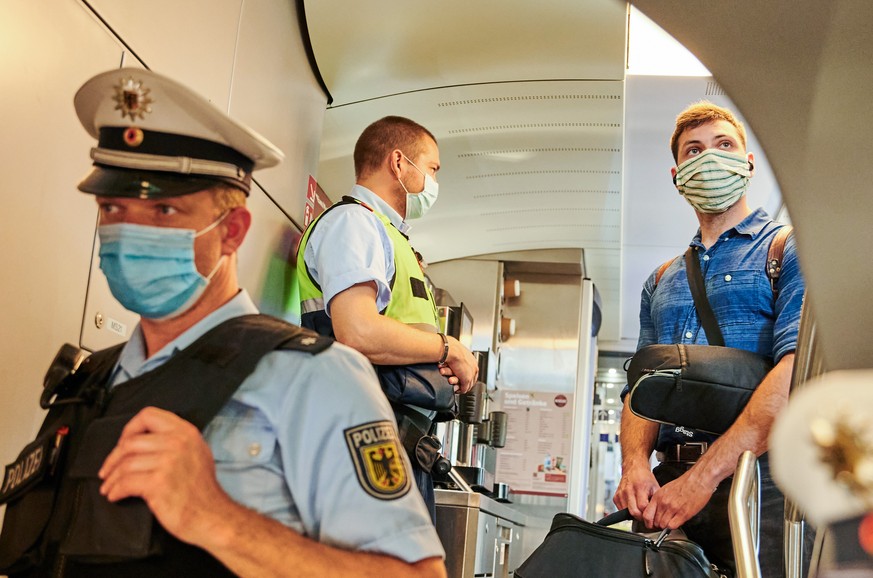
690,487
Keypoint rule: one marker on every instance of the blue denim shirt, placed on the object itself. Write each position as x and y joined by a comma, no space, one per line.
734,269
280,447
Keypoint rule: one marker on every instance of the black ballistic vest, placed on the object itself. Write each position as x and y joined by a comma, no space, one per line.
60,525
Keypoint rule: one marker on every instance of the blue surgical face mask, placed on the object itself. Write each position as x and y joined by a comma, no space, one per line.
151,270
418,204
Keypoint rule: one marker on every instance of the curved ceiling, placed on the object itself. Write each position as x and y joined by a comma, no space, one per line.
378,48
526,102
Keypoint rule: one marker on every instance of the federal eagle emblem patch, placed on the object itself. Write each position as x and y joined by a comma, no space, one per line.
379,460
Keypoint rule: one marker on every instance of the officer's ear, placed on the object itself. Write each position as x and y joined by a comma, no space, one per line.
395,160
235,227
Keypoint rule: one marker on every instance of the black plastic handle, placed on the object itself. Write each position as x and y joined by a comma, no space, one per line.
615,518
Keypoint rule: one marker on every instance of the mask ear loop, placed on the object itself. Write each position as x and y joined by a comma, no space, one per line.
212,225
415,165
206,230
215,269
423,174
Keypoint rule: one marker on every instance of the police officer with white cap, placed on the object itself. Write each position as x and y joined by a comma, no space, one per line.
216,441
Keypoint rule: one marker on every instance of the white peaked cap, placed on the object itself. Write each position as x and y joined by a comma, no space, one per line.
158,138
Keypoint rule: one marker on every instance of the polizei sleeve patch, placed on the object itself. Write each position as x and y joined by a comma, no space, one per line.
379,460
31,466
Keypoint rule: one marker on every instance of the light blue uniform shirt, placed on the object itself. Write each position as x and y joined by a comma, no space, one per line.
350,246
280,447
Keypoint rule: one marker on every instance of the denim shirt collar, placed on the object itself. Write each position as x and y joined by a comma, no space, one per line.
133,362
378,203
751,226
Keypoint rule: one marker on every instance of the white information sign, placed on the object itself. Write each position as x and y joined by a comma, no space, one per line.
536,457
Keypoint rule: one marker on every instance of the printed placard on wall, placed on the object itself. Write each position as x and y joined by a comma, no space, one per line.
316,201
539,432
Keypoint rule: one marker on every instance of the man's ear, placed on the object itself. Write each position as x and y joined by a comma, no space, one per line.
751,158
236,226
395,158
673,174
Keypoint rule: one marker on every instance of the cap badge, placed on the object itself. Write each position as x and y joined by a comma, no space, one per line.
133,136
132,98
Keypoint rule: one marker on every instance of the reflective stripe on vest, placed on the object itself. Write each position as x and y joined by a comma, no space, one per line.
312,305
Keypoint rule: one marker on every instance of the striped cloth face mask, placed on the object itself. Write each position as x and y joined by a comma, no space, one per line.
714,180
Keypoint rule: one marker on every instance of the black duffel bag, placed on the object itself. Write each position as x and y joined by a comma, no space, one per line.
574,548
704,387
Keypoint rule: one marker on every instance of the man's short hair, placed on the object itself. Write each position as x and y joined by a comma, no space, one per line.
701,113
385,135
227,197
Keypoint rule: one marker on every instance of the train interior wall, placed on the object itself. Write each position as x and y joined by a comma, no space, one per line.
246,57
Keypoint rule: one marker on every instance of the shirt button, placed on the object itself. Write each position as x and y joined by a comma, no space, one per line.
727,277
254,449
706,257
689,335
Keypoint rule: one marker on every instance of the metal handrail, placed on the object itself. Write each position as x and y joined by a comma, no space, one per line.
794,528
808,363
744,513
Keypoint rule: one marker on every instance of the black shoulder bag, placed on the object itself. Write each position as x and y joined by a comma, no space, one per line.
704,387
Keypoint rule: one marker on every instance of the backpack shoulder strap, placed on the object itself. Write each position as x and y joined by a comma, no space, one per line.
662,269
775,255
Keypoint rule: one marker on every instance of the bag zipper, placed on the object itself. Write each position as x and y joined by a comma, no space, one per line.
610,533
675,373
675,547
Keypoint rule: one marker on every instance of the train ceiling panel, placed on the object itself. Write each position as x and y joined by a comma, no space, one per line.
516,174
530,128
371,49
